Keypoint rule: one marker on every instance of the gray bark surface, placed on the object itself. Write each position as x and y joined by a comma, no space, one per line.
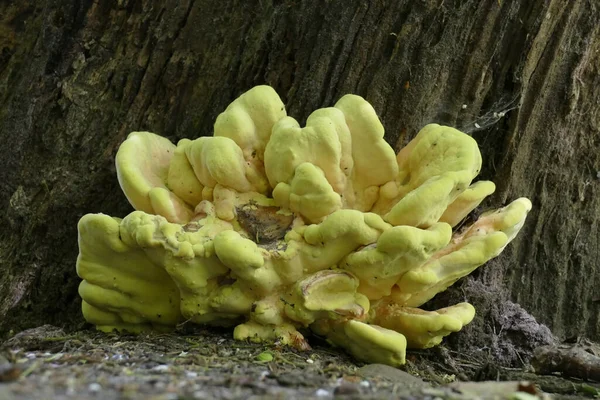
523,77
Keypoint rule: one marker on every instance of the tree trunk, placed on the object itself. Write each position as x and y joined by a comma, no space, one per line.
523,77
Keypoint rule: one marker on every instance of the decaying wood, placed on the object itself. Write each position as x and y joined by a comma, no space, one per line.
573,361
264,224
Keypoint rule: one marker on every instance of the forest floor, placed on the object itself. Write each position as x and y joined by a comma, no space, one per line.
46,363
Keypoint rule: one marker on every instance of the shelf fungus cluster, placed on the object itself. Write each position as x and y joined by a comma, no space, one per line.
276,228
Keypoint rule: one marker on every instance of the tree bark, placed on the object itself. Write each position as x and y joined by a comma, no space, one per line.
523,77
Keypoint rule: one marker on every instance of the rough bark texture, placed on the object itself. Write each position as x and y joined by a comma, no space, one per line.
521,76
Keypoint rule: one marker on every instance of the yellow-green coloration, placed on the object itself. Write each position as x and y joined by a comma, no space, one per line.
272,227
424,329
122,286
265,356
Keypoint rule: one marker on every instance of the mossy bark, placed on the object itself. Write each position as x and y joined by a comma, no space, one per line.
523,77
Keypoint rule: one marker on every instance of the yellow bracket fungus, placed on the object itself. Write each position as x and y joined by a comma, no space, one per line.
276,228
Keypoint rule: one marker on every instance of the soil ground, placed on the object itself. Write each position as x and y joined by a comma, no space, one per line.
46,363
